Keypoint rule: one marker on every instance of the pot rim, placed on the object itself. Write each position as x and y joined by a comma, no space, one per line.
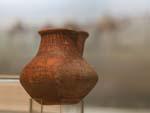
62,30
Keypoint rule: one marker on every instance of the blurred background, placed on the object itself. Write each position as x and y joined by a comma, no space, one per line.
118,45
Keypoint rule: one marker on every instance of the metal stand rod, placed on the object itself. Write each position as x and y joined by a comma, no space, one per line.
30,106
41,106
82,106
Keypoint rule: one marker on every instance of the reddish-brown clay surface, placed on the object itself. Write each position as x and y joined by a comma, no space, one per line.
58,74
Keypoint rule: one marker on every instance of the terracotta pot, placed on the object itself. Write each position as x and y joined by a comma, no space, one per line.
58,74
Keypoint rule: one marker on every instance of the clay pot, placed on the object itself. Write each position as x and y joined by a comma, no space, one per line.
58,74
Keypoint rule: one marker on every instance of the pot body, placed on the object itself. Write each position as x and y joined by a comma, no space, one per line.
58,74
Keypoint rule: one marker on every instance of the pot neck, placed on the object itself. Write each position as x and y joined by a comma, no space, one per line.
58,43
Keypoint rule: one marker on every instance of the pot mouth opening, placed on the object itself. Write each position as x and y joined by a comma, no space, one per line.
46,31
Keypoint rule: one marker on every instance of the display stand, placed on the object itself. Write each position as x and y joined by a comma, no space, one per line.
39,108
